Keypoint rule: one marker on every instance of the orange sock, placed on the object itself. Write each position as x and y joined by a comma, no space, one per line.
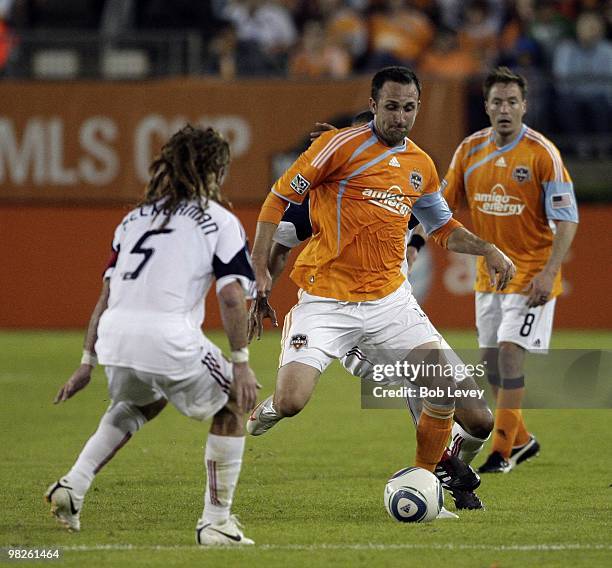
507,419
433,430
506,425
522,434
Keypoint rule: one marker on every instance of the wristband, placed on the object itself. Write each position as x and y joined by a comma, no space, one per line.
240,355
416,241
89,358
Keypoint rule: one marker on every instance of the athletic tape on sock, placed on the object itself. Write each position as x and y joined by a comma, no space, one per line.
511,384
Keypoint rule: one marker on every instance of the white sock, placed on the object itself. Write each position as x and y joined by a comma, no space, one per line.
415,406
118,424
223,460
464,445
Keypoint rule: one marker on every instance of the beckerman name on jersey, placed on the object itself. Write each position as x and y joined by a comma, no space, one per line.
195,212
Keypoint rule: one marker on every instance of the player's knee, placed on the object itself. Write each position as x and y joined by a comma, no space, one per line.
510,353
483,425
150,411
125,416
509,348
511,358
288,405
477,422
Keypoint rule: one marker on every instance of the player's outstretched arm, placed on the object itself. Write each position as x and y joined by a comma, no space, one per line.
501,268
232,304
260,307
261,255
81,377
541,286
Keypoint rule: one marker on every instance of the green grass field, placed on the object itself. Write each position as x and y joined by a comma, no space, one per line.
310,491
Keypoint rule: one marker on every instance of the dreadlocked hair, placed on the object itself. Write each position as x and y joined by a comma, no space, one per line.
188,168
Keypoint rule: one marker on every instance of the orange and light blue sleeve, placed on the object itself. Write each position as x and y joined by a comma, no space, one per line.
432,210
559,197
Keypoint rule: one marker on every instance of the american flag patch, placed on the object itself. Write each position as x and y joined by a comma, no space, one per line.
561,200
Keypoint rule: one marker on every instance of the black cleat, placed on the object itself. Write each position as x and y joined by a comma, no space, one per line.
525,452
460,480
466,500
455,474
495,464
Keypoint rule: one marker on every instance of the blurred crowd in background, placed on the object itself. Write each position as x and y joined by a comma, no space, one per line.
563,47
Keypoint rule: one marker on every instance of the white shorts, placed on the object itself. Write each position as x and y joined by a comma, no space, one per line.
318,330
506,317
360,363
199,396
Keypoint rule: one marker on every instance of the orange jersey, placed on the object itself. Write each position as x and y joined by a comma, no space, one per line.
512,192
361,196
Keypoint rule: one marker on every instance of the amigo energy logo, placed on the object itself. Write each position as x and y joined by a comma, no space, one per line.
391,199
498,203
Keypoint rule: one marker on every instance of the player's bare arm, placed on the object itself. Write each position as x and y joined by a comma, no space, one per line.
81,377
501,268
232,304
260,308
541,286
261,254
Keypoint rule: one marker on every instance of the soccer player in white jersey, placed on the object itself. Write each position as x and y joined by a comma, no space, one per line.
146,329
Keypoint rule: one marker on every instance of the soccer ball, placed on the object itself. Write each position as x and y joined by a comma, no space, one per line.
413,495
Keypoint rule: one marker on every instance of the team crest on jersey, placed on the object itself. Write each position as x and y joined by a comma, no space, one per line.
298,341
300,184
521,174
416,180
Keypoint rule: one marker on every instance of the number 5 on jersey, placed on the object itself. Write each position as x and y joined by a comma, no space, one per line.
147,252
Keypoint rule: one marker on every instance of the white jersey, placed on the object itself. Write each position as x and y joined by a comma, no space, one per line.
159,277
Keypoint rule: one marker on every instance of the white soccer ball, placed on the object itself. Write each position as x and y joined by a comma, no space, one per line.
414,495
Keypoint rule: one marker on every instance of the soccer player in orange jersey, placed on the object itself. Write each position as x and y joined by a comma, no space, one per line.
294,229
363,183
521,198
